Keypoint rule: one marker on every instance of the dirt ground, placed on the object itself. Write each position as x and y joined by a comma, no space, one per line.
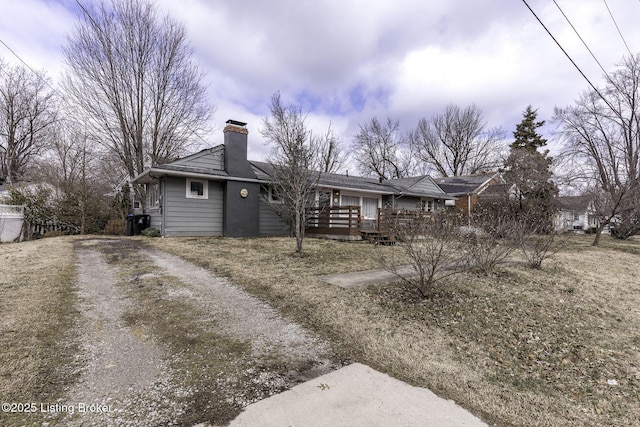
149,325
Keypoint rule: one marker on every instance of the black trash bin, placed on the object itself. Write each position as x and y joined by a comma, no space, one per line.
130,225
141,222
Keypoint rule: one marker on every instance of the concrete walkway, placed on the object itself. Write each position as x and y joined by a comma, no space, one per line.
354,396
364,278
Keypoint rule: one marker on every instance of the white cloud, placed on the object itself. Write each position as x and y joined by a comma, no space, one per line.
346,62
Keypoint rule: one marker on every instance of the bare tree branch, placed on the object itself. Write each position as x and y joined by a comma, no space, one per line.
131,76
28,112
295,162
381,151
457,142
604,137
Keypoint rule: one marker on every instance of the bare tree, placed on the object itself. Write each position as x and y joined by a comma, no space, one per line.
130,74
332,154
28,111
457,142
294,164
602,131
380,150
71,166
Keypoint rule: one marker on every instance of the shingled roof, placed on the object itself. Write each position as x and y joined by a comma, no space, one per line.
574,203
460,185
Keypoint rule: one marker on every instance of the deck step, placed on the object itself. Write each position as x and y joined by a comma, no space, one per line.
378,237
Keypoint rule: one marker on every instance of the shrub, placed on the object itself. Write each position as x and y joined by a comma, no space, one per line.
432,248
150,232
115,227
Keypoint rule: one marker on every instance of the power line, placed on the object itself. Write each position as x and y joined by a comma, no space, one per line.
568,57
617,28
582,40
38,75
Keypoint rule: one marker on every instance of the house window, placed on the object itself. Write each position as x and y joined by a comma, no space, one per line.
274,195
350,201
197,189
428,205
576,217
153,195
369,208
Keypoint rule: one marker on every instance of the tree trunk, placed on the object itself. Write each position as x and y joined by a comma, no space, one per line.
596,241
299,236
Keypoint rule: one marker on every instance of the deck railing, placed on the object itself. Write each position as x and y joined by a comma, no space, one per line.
348,221
391,218
335,220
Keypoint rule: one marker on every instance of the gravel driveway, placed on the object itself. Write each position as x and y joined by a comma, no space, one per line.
133,375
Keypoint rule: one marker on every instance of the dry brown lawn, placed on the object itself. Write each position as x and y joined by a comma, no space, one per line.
38,311
560,346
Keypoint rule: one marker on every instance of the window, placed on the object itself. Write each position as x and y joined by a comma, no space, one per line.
369,208
427,205
153,195
274,195
197,189
350,201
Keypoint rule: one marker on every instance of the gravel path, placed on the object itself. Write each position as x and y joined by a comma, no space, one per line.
244,316
124,372
126,375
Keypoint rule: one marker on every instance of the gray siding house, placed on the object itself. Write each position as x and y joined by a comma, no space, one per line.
219,192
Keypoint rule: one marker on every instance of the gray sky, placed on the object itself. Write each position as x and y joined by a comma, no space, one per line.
346,61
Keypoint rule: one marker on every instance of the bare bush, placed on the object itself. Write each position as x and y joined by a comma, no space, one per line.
429,249
535,242
486,251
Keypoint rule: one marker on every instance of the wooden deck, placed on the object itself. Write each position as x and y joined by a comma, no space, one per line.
347,222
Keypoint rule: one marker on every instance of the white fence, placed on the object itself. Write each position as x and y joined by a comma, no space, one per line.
12,209
11,222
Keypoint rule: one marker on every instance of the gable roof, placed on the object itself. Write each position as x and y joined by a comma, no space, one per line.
466,184
210,156
205,164
574,203
422,185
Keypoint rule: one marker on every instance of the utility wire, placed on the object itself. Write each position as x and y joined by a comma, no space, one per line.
617,28
38,75
569,57
582,40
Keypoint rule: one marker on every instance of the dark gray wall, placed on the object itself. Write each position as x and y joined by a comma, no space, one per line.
270,223
235,153
241,215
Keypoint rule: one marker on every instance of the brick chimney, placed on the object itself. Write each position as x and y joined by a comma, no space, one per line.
235,150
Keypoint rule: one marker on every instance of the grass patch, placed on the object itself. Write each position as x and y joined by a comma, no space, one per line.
38,340
521,347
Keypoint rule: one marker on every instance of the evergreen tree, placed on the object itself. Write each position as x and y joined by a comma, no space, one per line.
529,176
526,135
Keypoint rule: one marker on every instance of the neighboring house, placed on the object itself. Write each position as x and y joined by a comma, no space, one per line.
467,188
219,192
575,213
118,193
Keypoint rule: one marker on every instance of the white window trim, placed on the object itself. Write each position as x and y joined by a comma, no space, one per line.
205,189
154,202
271,199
